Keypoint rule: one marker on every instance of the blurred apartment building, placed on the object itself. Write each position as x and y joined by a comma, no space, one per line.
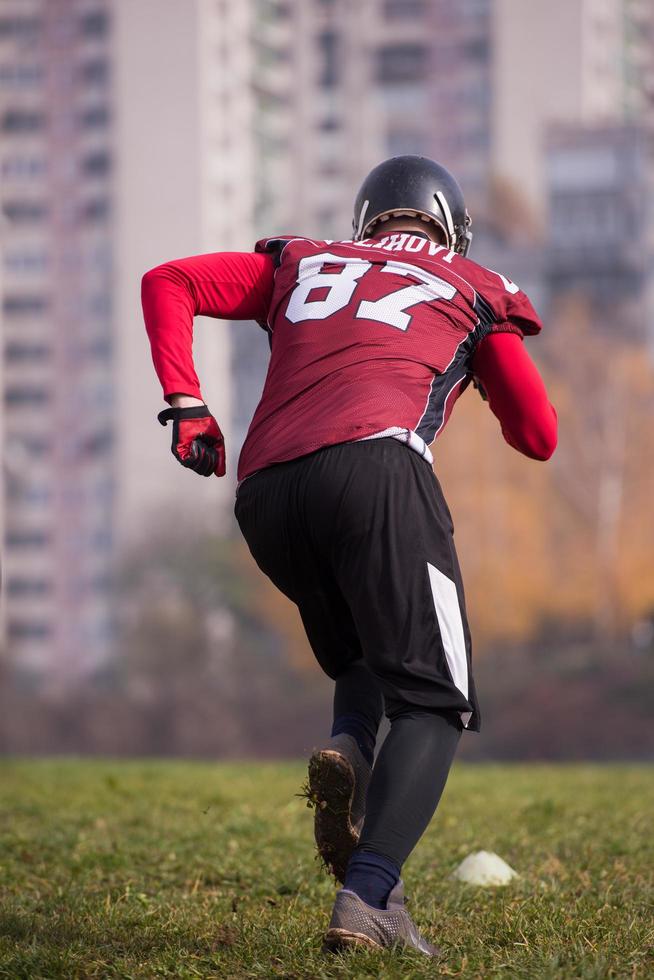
574,138
58,342
125,140
601,230
575,62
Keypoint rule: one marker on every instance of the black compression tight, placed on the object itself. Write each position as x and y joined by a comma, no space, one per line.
358,706
408,779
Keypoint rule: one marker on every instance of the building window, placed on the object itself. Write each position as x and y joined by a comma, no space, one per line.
22,121
24,305
25,212
26,261
32,496
18,629
96,444
478,49
94,72
17,352
94,118
402,63
26,395
95,24
27,539
28,586
328,43
404,9
18,27
35,446
93,211
13,167
96,164
100,349
21,75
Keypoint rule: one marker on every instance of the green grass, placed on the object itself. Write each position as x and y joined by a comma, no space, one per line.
173,869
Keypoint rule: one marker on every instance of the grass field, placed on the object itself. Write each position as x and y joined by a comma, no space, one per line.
160,869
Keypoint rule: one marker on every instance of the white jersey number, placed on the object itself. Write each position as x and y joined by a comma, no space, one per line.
390,309
341,285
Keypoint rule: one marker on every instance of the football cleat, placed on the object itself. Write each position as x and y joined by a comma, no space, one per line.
338,784
354,923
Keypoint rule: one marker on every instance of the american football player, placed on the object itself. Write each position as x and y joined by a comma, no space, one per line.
373,340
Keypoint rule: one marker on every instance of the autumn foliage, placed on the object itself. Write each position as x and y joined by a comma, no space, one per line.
567,541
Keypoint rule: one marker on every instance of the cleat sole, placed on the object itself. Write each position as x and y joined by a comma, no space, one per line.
331,784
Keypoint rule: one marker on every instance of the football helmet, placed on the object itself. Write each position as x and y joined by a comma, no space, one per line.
418,187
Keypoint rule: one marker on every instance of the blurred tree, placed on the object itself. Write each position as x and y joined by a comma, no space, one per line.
277,612
509,214
567,540
205,657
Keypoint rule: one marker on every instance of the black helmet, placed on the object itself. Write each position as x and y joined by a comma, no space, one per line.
415,186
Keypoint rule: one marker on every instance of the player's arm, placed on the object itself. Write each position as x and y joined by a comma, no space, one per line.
228,285
516,394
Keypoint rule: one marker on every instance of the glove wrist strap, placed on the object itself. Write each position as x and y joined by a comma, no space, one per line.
178,414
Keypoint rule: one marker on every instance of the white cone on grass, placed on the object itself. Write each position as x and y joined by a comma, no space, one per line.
484,868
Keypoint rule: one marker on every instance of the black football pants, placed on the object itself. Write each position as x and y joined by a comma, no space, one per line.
359,536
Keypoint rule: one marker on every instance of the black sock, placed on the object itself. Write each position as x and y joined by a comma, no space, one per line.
372,877
357,726
408,779
358,707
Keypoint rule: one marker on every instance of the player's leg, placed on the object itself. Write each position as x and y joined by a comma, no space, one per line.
408,779
341,767
407,784
339,770
399,571
358,706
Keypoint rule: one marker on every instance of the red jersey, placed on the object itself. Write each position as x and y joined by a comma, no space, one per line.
370,338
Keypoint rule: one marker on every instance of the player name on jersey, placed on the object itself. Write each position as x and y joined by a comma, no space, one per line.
401,241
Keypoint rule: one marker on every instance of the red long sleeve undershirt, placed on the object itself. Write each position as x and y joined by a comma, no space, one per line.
516,394
238,286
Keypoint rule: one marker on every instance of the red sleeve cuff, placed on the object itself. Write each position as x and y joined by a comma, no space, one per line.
181,388
504,326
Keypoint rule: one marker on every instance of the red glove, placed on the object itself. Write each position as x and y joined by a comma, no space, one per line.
198,442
